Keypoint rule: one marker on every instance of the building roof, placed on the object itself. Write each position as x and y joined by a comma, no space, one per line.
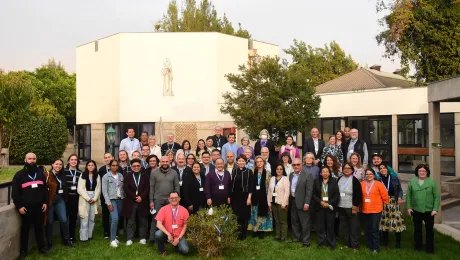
364,79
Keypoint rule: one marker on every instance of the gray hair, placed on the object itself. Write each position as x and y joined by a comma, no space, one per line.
309,153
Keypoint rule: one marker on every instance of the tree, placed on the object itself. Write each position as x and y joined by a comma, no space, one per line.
193,18
319,65
16,94
57,87
270,95
425,33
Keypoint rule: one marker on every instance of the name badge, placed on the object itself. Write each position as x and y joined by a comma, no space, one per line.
201,189
274,194
351,151
325,199
34,186
137,193
60,191
221,187
257,187
174,226
73,187
218,148
367,200
90,192
342,194
180,183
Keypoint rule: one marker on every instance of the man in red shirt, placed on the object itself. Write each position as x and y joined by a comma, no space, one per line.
172,225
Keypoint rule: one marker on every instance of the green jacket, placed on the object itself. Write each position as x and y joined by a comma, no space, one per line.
425,198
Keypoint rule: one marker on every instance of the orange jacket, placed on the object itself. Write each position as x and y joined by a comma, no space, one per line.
378,196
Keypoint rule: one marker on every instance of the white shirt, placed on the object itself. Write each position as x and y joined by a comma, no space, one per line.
130,145
156,150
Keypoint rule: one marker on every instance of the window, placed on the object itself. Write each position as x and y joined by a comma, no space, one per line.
407,163
329,127
84,142
379,132
447,130
121,129
413,131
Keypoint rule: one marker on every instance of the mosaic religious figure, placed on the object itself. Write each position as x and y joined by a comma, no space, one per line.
167,78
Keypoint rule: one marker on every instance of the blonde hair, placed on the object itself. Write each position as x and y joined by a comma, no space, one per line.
358,165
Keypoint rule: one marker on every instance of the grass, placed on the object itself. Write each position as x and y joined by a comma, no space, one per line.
7,174
254,248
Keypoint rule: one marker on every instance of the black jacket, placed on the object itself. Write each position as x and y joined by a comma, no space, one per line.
174,147
211,168
192,194
396,185
22,192
358,148
271,148
357,192
259,197
218,142
310,148
333,193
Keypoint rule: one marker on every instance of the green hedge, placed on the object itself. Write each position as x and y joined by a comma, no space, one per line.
44,134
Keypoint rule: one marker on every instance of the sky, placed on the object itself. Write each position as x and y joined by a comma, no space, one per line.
32,32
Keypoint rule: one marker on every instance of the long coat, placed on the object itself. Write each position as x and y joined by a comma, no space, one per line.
129,188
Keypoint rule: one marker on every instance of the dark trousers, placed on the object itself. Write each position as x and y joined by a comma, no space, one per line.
385,238
242,228
34,216
418,218
158,204
105,217
325,224
372,230
301,224
349,227
72,214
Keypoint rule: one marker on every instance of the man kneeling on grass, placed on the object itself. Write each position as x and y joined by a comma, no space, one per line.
172,225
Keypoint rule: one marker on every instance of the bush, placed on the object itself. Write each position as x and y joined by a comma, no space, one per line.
43,133
202,231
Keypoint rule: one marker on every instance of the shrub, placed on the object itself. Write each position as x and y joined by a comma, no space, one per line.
43,133
203,231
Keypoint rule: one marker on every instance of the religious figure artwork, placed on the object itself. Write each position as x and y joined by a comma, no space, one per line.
167,78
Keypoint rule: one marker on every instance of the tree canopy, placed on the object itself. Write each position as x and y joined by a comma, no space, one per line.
197,18
425,33
270,95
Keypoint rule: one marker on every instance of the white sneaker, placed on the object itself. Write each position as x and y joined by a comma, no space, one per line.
116,240
143,241
114,243
129,242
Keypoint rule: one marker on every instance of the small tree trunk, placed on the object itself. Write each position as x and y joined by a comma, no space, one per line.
11,138
1,134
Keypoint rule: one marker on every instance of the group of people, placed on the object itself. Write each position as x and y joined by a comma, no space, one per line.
149,191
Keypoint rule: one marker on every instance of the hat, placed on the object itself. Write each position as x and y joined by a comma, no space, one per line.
376,154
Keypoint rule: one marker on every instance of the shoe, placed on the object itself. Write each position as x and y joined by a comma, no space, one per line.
355,250
143,241
116,240
151,243
163,254
69,243
114,243
43,251
375,252
254,234
129,242
106,237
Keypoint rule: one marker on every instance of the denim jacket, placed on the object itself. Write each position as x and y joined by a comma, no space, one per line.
109,188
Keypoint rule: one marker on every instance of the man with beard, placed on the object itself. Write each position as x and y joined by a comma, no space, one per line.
163,181
30,197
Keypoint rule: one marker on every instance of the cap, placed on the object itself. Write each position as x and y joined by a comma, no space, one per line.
376,154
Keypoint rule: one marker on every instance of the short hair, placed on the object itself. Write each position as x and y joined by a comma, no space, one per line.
305,156
135,160
145,132
145,146
136,152
205,152
371,170
424,166
231,135
244,138
241,156
153,156
172,192
220,159
288,156
347,163
191,154
127,129
216,150
170,152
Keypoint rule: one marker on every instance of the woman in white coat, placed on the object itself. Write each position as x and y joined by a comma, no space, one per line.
278,200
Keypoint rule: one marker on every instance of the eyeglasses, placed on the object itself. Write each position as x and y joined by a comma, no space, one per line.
174,198
296,164
205,157
135,166
346,168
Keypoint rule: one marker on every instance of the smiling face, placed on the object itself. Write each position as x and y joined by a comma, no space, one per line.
248,153
57,165
376,160
181,160
325,173
73,161
422,173
136,167
296,165
329,162
107,158
144,137
354,159
230,157
309,159
245,142
153,163
332,140
339,135
220,164
279,170
145,151
170,138
186,146
259,163
130,133
383,170
289,140
314,133
201,144
123,156
369,175
152,141
347,170
206,158
91,167
241,163
209,143
196,168
218,131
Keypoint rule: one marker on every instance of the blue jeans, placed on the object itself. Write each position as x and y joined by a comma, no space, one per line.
161,238
372,230
114,214
58,207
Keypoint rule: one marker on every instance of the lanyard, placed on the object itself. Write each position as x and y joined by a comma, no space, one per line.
59,180
218,141
346,184
35,176
388,184
259,177
174,216
90,182
221,180
180,173
74,175
368,191
172,147
325,188
199,180
138,181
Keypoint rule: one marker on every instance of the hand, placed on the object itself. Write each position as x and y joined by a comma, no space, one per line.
283,207
138,199
152,205
22,211
175,241
323,204
400,201
91,201
44,208
434,213
209,201
410,212
248,202
190,208
270,208
110,207
305,207
228,200
170,239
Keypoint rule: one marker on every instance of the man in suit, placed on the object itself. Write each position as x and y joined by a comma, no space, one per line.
218,139
315,146
206,165
301,197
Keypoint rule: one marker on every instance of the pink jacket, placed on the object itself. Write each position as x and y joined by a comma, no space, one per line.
295,153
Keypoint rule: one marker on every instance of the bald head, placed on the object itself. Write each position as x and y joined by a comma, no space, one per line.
30,158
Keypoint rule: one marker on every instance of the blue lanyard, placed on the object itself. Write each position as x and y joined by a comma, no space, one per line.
259,177
174,216
180,173
33,179
368,191
221,180
388,184
346,184
138,181
60,182
325,188
199,180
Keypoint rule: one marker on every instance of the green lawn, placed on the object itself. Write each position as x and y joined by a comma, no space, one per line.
7,174
253,248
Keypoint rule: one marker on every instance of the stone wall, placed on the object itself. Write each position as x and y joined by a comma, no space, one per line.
9,233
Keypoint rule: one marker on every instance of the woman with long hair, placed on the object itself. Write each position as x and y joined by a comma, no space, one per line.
72,176
89,188
190,159
290,147
341,143
355,160
172,158
333,165
200,148
332,149
123,160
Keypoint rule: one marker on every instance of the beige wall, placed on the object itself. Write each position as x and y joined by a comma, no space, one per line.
128,66
265,49
380,102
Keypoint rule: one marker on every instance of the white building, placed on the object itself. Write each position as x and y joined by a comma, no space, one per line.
140,79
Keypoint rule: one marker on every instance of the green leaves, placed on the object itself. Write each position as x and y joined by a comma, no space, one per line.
193,18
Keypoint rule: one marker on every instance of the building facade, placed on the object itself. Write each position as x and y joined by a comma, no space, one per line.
156,82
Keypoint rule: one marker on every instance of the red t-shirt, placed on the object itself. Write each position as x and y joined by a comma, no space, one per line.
165,215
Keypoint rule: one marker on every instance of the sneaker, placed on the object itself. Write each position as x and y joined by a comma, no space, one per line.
129,242
114,243
106,237
143,241
116,240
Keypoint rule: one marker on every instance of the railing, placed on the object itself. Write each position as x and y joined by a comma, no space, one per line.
7,185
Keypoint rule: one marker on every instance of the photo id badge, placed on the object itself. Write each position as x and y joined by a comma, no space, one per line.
274,194
34,185
201,189
221,187
60,191
174,226
180,183
73,188
342,194
258,187
367,200
325,199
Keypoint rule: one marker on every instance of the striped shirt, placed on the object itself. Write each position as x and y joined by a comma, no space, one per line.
71,180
